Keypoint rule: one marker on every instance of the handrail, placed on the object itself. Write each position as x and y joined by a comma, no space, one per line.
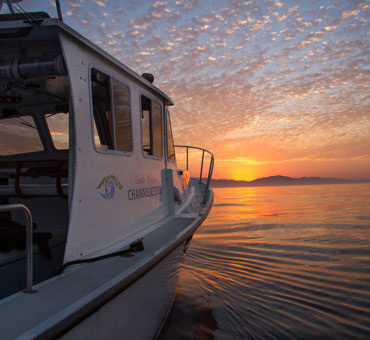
210,169
29,244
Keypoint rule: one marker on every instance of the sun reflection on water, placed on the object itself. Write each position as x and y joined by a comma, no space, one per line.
280,262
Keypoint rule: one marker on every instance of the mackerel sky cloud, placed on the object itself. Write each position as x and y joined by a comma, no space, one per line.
270,86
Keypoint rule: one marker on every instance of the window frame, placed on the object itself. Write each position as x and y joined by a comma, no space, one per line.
141,94
92,119
168,122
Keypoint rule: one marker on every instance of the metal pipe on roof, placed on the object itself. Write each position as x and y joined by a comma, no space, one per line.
24,68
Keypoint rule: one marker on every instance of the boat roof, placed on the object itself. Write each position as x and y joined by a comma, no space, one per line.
21,22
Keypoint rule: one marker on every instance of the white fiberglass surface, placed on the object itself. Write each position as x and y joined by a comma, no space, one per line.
115,195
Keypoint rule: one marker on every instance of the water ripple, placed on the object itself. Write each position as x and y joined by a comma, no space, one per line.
284,280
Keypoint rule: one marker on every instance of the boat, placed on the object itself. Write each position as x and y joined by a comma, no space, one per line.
96,215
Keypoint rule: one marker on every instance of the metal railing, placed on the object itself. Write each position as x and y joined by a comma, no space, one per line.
29,272
210,169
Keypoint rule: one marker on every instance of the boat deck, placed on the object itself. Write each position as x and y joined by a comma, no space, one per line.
78,291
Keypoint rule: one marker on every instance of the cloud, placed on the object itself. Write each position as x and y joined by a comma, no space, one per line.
74,4
186,4
263,80
330,28
348,14
100,3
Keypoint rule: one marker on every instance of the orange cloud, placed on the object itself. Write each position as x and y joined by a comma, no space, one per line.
268,87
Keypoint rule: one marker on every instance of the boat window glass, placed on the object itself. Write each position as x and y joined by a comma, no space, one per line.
170,145
103,120
145,124
151,124
122,116
157,129
19,135
58,127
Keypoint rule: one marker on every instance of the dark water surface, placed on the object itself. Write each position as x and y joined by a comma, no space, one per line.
278,263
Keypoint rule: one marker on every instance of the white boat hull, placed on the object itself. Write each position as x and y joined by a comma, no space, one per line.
139,311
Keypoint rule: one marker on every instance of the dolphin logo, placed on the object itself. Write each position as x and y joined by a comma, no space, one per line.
109,183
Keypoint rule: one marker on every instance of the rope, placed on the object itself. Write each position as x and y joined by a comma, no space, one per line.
136,246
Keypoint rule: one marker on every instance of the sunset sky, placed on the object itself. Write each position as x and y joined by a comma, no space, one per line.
271,87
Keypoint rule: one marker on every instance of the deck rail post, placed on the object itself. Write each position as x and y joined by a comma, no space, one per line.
210,171
187,158
201,168
29,242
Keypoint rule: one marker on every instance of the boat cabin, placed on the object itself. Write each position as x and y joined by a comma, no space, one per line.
85,144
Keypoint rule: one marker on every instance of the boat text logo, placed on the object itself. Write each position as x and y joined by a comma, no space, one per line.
108,186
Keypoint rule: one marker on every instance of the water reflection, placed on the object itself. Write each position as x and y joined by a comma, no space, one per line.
192,320
280,263
311,203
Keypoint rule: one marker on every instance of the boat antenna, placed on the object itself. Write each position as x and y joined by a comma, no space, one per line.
10,6
13,6
57,4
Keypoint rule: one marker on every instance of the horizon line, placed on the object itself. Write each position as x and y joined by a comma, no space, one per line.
303,177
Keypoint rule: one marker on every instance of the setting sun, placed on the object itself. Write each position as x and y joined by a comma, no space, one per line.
243,173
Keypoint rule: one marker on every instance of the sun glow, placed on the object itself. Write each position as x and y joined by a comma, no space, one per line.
280,107
243,174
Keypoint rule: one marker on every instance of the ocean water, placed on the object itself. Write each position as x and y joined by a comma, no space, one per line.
278,263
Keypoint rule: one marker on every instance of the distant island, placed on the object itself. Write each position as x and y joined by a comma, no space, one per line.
283,180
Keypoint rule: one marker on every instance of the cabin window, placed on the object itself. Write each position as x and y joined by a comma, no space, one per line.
19,135
170,145
112,113
151,123
59,131
145,124
103,121
122,116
